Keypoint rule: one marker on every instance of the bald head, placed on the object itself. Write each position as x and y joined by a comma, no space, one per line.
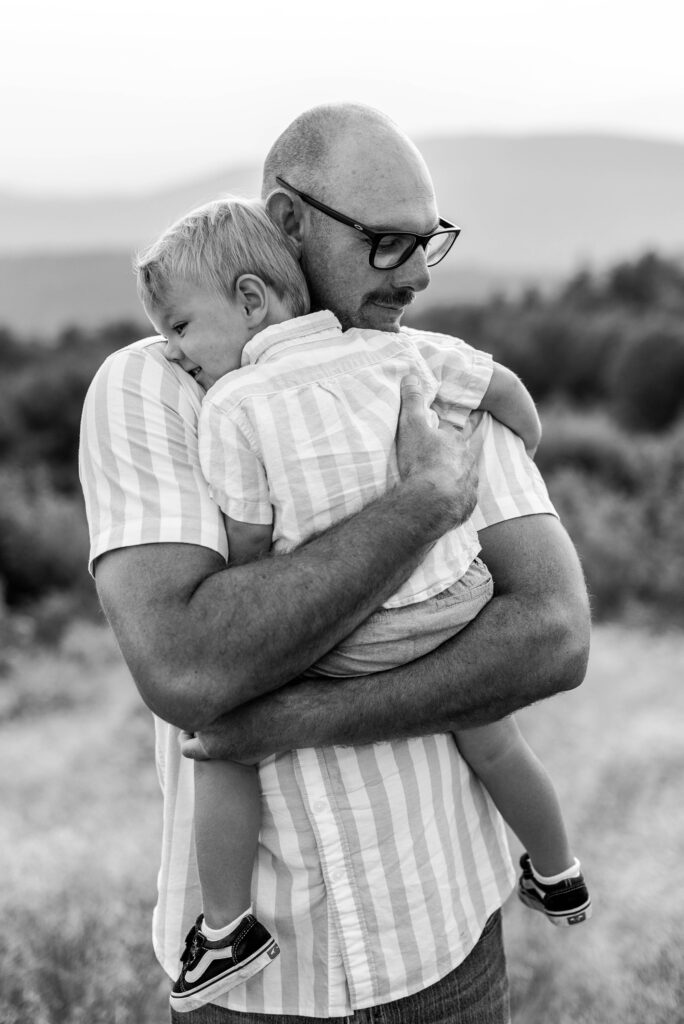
358,162
336,151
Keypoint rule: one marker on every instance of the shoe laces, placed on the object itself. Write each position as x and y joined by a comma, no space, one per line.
194,946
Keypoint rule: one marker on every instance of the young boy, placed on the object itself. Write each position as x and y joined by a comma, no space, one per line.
297,431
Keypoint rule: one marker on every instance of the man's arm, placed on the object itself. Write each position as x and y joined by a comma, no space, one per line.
531,641
201,640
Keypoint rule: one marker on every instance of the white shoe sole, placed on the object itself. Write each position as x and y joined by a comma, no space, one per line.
577,916
200,996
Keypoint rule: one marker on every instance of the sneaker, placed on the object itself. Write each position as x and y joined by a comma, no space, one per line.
212,968
564,903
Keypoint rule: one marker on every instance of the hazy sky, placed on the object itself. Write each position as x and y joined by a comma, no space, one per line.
125,95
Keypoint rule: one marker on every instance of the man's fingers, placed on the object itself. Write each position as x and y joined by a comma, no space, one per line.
451,430
412,400
191,746
193,749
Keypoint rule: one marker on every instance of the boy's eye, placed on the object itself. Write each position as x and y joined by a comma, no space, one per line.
180,327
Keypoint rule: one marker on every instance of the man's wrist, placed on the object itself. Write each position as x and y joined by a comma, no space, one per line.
434,507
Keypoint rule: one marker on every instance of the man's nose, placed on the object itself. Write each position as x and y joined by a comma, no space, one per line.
414,273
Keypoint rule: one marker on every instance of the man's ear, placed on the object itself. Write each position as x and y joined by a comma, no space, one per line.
252,295
286,212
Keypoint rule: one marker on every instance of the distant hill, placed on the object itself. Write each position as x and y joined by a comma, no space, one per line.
43,294
532,208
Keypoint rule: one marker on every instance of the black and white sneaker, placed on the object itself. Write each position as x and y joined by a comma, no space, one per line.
564,903
212,968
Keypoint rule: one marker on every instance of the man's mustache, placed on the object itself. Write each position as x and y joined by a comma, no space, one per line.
401,297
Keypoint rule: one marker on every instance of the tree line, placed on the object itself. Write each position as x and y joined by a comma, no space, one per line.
603,356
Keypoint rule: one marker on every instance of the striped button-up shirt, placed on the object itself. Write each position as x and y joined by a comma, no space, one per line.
304,434
377,865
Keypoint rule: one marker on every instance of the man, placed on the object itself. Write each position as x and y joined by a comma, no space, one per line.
382,864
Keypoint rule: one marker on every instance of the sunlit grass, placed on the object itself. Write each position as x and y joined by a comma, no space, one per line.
615,750
79,836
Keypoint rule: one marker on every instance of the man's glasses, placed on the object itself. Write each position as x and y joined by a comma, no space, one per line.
389,249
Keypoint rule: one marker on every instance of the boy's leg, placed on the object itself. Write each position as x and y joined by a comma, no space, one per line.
523,792
227,823
227,945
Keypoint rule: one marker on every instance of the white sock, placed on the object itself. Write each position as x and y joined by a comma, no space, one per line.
214,934
572,872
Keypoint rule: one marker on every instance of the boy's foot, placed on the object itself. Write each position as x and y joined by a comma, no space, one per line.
564,903
212,968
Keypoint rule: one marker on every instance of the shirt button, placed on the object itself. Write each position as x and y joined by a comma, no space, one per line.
319,805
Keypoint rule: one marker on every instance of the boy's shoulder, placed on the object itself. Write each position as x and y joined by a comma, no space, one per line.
418,336
408,337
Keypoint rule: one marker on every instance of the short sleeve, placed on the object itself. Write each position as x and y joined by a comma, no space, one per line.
510,483
462,373
139,460
235,474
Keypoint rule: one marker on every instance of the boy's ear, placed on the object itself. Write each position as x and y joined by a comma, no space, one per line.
252,295
286,212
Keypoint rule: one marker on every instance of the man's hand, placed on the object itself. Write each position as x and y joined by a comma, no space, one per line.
227,740
198,747
440,460
191,746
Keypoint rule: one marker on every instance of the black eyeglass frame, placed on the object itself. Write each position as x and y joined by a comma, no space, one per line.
375,237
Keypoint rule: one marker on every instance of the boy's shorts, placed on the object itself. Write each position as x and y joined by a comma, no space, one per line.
395,636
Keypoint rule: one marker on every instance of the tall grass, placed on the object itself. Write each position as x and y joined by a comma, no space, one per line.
79,837
80,826
614,748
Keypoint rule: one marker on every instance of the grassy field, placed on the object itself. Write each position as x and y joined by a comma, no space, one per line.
80,827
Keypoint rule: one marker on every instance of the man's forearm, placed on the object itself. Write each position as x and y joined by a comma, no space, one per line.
237,633
530,642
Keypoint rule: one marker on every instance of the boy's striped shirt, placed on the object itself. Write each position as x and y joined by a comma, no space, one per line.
304,434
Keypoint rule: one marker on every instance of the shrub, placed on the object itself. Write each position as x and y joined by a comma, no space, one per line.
648,388
621,498
593,445
43,540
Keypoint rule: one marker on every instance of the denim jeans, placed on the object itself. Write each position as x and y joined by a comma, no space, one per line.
476,992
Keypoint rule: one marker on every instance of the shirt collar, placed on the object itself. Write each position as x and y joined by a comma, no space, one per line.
289,334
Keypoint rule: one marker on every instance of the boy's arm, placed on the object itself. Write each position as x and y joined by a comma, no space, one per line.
509,401
237,483
469,379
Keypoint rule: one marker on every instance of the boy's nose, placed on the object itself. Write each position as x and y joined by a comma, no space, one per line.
172,351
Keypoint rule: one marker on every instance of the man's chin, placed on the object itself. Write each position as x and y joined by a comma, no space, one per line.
381,317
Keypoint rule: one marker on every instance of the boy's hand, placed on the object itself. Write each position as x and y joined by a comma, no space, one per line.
438,460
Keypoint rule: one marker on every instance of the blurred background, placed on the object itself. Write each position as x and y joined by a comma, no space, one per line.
555,135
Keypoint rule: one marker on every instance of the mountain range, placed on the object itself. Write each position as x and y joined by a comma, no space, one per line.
533,209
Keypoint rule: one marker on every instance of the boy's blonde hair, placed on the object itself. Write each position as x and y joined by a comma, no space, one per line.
213,246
